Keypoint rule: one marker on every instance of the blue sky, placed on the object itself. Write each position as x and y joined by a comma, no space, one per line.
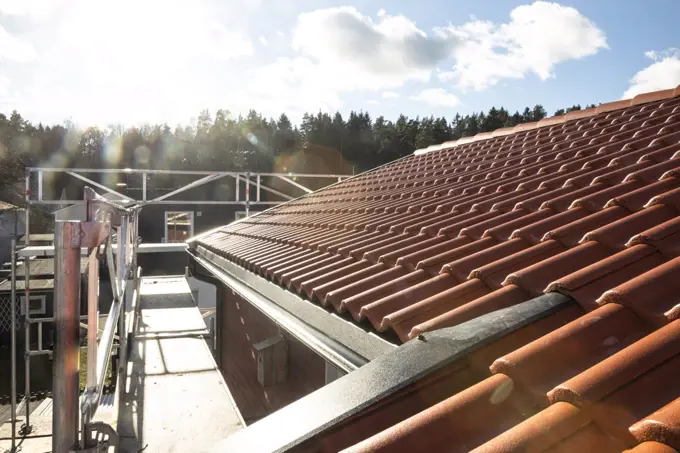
101,62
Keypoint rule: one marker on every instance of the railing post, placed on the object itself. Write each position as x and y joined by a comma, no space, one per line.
67,238
143,186
247,194
127,230
40,186
26,429
13,348
135,237
92,317
40,342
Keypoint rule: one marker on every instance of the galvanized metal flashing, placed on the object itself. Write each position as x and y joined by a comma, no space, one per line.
385,376
343,344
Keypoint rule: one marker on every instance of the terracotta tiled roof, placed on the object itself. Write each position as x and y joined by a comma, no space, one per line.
587,205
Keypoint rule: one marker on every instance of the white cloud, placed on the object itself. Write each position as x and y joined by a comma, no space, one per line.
174,57
536,39
101,64
437,97
293,85
252,4
4,86
372,102
368,54
15,49
350,51
662,74
26,7
171,29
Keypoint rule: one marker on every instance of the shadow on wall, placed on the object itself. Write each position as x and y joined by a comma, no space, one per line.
242,326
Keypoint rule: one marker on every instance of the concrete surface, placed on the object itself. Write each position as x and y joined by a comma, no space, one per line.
175,398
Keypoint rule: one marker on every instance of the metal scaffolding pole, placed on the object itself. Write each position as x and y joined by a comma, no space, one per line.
26,429
67,239
13,348
248,194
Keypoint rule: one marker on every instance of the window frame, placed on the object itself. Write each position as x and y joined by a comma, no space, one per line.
192,223
33,297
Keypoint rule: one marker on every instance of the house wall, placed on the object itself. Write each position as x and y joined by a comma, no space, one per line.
206,217
240,326
11,226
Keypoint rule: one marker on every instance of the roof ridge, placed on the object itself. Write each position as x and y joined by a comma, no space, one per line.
641,98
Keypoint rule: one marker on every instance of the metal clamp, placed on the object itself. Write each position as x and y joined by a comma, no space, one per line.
99,437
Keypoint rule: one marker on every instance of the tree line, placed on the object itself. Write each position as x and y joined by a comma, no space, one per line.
321,143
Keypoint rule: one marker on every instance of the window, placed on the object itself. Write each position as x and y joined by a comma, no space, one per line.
179,226
36,305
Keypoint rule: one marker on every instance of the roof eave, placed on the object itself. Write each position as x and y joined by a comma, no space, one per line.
336,340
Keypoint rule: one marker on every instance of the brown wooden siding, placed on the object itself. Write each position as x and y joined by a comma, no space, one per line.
241,326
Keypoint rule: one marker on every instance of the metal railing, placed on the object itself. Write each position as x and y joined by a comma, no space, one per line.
247,178
107,226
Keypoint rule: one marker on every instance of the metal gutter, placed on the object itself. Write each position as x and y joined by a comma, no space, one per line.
337,341
385,376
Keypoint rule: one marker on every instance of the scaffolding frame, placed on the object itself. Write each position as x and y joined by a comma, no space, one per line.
116,217
205,177
104,223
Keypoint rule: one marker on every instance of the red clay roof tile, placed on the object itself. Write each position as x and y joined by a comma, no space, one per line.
663,425
605,377
595,337
587,284
403,298
440,427
652,447
586,204
412,314
654,295
409,260
536,434
641,397
500,298
535,279
588,438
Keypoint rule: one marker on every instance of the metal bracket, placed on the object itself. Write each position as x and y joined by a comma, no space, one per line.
99,437
100,209
25,429
93,234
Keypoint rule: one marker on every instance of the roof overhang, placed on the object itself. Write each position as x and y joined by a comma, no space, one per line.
336,340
